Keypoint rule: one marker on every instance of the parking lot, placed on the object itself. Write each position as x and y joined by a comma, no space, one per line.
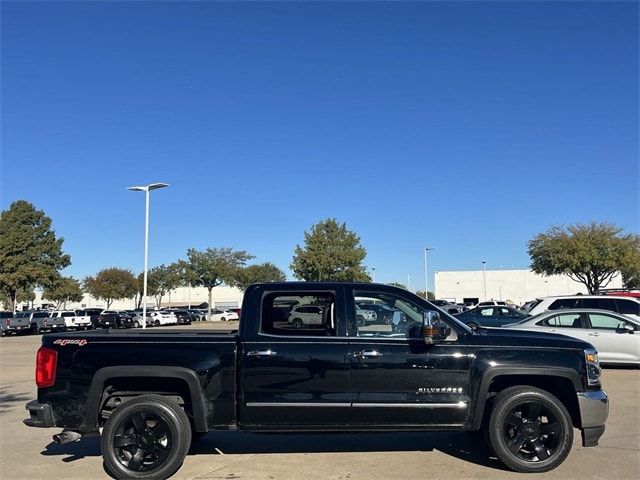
28,453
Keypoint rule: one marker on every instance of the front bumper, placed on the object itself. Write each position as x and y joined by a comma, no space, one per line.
594,410
41,415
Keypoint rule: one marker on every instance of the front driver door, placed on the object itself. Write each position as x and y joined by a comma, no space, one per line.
398,380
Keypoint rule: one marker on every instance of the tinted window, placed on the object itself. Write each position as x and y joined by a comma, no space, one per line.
563,303
486,312
599,303
40,314
299,314
68,314
400,317
607,322
628,307
564,320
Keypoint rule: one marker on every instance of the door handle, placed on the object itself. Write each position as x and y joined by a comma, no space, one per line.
262,353
367,354
594,334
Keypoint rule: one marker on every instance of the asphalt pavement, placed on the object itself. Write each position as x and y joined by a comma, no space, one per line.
28,453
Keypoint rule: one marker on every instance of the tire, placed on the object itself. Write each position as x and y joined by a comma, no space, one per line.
519,436
223,319
135,447
156,323
35,329
136,324
297,323
361,321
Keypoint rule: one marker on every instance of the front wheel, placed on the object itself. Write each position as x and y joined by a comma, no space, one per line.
530,430
146,438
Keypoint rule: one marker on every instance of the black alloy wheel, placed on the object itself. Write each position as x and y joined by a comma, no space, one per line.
146,438
360,321
530,430
297,323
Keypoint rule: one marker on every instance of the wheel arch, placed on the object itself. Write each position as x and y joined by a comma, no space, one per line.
107,375
563,383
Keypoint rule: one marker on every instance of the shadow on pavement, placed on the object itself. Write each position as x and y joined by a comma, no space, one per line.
465,446
8,400
87,447
468,447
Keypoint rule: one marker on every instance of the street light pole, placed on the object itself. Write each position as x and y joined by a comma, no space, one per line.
146,189
374,274
426,273
484,276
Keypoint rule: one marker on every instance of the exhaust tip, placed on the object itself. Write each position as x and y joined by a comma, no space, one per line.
66,437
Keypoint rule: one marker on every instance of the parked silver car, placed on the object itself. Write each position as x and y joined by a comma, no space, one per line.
615,336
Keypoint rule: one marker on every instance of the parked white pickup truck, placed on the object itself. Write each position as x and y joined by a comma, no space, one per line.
71,320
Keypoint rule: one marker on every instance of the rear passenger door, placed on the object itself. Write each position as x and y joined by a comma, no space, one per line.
296,377
571,324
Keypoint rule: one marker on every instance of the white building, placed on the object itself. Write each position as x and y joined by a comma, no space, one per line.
222,297
518,286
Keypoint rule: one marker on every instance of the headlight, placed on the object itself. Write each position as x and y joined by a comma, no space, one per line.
593,367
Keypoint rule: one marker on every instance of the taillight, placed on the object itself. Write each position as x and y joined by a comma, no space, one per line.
6,323
46,361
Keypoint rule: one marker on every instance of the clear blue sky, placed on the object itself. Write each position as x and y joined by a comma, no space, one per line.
468,127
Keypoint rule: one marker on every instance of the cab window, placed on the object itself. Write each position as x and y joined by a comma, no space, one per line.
384,315
308,314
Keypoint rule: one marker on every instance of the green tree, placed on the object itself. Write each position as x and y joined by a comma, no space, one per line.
23,295
260,273
112,284
213,267
30,252
430,295
331,253
162,280
631,269
63,290
591,254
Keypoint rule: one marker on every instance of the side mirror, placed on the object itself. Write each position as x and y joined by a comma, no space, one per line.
434,330
626,328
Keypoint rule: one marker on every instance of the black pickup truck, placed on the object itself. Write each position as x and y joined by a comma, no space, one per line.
301,361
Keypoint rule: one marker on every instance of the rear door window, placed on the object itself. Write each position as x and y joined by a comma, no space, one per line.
564,320
299,313
563,303
628,307
598,303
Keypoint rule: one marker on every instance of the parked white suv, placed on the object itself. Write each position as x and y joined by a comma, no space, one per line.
624,305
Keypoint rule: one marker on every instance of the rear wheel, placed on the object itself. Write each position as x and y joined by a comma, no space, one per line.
530,430
223,319
297,323
146,438
361,321
136,324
